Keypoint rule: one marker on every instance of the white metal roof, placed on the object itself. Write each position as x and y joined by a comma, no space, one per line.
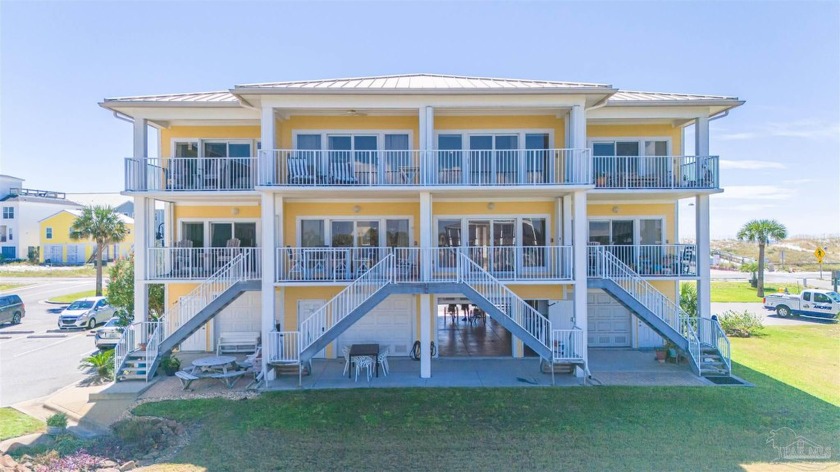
206,97
635,96
77,213
422,82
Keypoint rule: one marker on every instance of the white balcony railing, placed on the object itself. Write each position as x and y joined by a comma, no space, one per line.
185,174
656,172
177,263
567,344
658,260
297,264
518,167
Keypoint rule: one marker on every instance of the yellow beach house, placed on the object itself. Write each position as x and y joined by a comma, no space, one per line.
328,213
58,248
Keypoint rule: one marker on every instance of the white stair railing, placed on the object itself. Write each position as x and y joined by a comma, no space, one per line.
606,265
567,344
711,334
322,320
284,347
192,303
125,345
505,300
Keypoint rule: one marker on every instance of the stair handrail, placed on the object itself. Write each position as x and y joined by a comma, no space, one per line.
505,299
284,347
712,334
567,344
152,345
608,266
201,296
124,346
322,320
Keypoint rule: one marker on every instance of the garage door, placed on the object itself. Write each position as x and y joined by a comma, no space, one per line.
608,322
390,324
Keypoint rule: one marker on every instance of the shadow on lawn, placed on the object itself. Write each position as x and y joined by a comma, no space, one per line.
598,428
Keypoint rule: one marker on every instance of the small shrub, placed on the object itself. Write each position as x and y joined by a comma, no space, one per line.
688,299
740,324
142,435
170,364
101,364
58,420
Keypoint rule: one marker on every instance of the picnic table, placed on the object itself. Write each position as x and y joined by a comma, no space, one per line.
214,367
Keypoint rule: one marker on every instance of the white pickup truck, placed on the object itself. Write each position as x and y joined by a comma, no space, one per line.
810,303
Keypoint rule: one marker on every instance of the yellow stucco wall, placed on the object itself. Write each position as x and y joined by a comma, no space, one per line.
225,212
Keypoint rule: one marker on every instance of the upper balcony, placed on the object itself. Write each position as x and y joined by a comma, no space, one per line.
484,168
518,168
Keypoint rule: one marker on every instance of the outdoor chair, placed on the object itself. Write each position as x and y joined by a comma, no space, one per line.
342,173
382,359
295,268
367,363
183,256
229,252
299,171
346,351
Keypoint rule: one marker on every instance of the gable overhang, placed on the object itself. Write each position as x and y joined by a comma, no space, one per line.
677,113
166,114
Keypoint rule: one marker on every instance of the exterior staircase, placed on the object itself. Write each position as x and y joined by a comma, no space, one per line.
385,278
701,339
138,353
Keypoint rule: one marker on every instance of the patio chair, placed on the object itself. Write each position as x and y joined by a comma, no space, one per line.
382,359
183,256
229,252
342,173
367,363
295,268
346,351
299,171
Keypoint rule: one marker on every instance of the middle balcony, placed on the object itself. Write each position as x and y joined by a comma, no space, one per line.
468,168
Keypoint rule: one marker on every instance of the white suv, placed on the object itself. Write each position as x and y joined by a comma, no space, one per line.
85,313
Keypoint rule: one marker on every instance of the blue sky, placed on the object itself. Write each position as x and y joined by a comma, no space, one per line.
780,152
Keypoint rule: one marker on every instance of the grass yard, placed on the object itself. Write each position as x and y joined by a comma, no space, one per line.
725,292
8,287
593,428
14,423
804,357
70,298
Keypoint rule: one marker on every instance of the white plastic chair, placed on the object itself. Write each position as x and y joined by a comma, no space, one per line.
364,362
346,351
382,359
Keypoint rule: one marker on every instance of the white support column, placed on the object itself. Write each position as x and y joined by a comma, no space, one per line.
426,239
141,137
268,131
580,257
142,227
430,128
578,127
701,136
558,221
267,297
704,275
425,335
567,220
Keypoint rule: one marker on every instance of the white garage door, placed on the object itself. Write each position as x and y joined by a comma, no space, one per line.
75,254
390,324
608,322
55,254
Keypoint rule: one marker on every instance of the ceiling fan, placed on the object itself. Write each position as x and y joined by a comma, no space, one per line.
355,113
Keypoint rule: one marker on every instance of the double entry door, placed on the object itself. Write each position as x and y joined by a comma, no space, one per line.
493,159
210,242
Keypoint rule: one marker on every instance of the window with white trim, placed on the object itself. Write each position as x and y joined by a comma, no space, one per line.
49,233
8,213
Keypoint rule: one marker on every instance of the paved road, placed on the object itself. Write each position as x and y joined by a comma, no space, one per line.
35,358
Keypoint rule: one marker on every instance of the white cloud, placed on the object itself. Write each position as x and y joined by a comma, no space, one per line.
798,181
807,129
750,165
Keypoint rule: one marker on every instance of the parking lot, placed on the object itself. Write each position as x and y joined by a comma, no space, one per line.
36,359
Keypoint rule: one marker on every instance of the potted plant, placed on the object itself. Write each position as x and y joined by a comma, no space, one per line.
170,365
661,352
56,424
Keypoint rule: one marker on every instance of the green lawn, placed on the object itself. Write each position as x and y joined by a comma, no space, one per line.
70,298
804,357
14,423
723,291
594,428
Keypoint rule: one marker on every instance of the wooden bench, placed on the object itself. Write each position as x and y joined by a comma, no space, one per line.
238,341
229,378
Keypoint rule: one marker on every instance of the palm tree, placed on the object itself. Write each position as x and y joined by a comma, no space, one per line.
105,226
762,232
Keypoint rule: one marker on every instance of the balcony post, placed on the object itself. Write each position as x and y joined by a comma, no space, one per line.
141,151
142,228
267,210
701,146
426,238
704,276
426,126
267,136
577,135
426,319
580,270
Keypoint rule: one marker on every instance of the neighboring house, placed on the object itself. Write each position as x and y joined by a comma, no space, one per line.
22,208
354,210
58,248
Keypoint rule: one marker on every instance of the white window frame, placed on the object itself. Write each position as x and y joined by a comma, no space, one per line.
8,212
641,141
328,227
48,234
200,143
637,227
206,222
379,133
